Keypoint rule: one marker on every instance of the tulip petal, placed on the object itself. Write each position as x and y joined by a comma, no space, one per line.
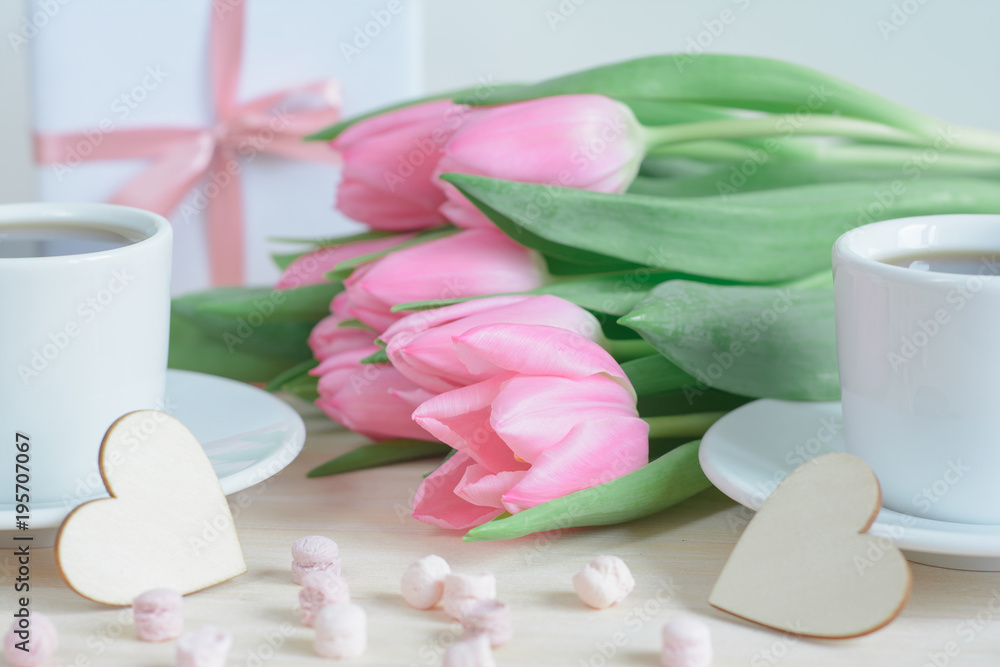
479,486
393,120
459,211
533,413
471,263
309,269
593,453
537,141
461,418
535,349
421,347
374,400
328,337
358,201
388,163
436,502
429,368
580,141
419,322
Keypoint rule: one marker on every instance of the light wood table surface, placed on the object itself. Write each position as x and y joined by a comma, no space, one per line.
674,556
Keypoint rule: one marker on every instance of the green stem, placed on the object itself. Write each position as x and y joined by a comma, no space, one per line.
861,155
780,125
709,151
971,139
950,139
846,155
681,426
626,349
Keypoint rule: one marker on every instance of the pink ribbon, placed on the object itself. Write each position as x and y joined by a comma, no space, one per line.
182,157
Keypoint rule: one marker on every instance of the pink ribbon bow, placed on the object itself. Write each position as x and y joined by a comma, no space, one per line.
182,157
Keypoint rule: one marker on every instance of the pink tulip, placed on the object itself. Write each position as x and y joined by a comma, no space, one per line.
420,345
559,417
470,263
374,400
309,269
388,163
329,336
580,141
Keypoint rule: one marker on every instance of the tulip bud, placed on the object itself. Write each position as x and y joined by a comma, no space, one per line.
589,142
374,400
310,268
389,160
470,263
557,417
420,346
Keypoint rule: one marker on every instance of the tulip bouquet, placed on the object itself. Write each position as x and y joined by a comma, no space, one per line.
564,284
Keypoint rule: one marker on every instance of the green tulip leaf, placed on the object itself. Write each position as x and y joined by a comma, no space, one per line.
344,269
297,380
668,480
768,236
331,241
764,342
195,348
256,322
307,303
613,293
655,374
739,82
481,94
380,357
379,454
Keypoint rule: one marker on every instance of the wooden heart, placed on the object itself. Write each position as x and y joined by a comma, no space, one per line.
167,524
804,563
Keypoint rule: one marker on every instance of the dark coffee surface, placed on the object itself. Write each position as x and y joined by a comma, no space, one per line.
53,240
971,262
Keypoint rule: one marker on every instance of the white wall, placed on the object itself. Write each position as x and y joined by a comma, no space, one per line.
17,177
944,59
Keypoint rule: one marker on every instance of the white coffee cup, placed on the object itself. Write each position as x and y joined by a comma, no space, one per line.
919,358
83,340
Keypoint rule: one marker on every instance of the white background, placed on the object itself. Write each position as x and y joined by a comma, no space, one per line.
945,58
940,57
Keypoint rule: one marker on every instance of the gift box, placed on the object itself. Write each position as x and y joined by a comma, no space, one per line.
193,108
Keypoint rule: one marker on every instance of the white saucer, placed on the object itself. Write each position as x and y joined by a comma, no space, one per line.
248,434
750,450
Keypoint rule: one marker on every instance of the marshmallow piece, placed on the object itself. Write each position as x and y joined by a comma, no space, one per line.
473,651
314,553
489,617
423,582
687,642
207,646
341,631
460,590
603,582
43,641
318,590
158,615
